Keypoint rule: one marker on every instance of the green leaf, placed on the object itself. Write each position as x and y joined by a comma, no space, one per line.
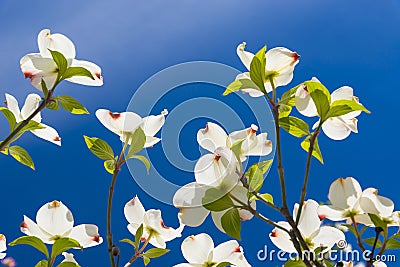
68,264
5,150
377,221
342,107
138,235
138,140
321,97
109,165
284,110
9,116
316,151
393,244
288,97
266,196
239,85
42,263
255,174
231,223
72,105
329,263
99,147
294,126
237,149
63,244
155,252
126,240
22,156
146,260
143,159
216,200
60,61
295,262
257,69
370,241
351,228
44,88
77,71
224,264
53,104
33,242
30,126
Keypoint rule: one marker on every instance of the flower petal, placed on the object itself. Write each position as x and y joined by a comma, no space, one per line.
189,200
3,243
56,42
153,123
217,169
224,250
281,58
84,80
150,141
336,129
196,249
344,193
119,122
31,104
370,202
281,239
245,57
86,234
309,221
134,211
48,133
69,257
304,103
331,212
211,137
30,228
327,237
261,147
55,218
12,105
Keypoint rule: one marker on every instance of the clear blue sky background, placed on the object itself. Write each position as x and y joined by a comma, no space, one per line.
354,43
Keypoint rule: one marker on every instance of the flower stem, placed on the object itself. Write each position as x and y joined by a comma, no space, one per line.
313,138
275,112
370,261
139,252
117,169
359,241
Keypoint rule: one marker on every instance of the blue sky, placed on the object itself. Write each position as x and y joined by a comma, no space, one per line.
341,42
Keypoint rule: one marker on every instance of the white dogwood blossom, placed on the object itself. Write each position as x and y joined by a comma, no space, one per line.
199,251
3,246
336,128
280,63
41,66
31,104
154,229
310,228
344,196
54,220
125,123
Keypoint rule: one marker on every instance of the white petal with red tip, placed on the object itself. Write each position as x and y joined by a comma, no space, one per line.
260,147
3,246
336,129
197,249
330,212
281,239
12,105
55,42
280,59
86,234
224,250
84,80
304,103
119,122
55,218
48,133
30,228
134,211
211,137
245,57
